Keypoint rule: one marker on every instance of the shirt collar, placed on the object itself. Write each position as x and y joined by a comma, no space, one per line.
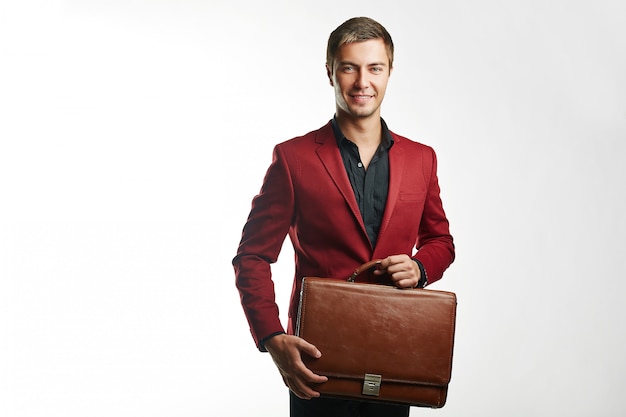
387,139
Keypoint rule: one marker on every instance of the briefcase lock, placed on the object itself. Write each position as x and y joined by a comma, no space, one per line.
371,384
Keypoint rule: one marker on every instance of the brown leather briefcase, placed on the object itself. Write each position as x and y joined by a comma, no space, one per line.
379,343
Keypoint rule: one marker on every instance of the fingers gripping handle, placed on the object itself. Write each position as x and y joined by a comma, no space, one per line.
363,268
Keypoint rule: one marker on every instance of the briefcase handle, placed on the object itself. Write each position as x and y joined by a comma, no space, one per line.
363,268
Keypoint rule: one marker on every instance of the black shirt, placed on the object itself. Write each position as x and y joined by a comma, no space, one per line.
370,186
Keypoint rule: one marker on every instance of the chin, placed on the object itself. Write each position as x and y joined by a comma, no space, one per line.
362,112
356,111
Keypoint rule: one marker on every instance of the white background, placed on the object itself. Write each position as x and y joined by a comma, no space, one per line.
134,135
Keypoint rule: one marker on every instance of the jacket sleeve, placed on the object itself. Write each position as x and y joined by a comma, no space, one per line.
435,247
262,239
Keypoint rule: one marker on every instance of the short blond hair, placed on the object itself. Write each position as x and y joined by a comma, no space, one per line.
357,29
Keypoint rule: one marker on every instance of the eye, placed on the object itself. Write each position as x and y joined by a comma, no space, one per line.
377,69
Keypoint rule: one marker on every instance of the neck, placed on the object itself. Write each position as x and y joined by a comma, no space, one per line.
364,131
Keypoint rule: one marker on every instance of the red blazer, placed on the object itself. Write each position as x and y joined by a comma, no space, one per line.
307,194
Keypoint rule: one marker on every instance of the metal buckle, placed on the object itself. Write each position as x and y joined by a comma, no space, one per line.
371,384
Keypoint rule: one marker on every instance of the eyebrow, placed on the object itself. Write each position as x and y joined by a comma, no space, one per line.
373,64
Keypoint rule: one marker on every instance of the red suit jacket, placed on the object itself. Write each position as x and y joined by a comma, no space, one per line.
306,193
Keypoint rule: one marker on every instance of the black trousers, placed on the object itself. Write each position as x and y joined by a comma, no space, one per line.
330,407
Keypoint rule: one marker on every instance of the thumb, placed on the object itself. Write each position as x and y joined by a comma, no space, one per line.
310,349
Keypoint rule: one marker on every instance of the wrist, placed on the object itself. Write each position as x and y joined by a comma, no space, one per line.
269,340
423,278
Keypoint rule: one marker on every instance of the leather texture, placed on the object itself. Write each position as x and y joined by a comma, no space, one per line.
405,336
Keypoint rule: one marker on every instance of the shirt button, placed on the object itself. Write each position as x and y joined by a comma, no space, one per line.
360,165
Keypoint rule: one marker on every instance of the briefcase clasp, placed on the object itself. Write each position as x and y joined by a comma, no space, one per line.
371,384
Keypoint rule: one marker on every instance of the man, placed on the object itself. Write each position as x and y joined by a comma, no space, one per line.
345,194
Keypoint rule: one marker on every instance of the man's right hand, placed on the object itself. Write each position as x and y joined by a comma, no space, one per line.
287,351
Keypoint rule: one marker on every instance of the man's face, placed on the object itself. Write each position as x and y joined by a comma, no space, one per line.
360,75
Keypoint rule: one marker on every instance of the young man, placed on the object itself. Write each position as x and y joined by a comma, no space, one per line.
347,193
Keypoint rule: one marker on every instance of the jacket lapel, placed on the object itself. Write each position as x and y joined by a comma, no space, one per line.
396,168
331,158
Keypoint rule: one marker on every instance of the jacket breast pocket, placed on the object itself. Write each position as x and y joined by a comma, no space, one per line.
414,197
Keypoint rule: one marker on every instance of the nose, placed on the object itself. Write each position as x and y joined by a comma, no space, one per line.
362,80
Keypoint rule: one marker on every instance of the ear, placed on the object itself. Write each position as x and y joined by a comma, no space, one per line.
329,74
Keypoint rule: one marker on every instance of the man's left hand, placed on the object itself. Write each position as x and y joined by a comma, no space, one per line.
402,270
